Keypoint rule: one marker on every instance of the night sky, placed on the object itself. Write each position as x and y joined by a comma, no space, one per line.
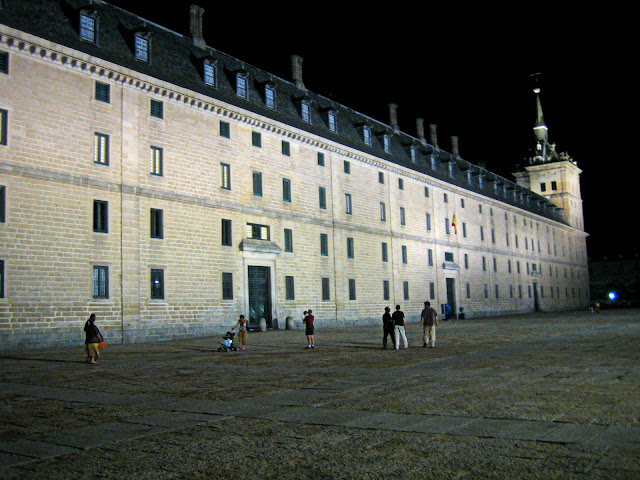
469,71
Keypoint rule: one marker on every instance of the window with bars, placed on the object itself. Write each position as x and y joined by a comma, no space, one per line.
156,108
100,281
103,92
227,286
226,238
100,216
157,228
157,283
101,149
156,161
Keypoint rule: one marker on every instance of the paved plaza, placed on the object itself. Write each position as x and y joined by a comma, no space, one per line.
544,396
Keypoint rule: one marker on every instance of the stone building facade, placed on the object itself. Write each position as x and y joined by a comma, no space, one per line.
168,188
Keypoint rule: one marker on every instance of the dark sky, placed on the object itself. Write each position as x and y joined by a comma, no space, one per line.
468,70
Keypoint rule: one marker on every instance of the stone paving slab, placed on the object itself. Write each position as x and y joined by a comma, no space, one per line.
513,397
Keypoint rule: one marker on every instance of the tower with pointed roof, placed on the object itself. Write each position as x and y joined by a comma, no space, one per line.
552,174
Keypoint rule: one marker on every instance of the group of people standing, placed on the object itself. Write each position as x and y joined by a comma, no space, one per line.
395,326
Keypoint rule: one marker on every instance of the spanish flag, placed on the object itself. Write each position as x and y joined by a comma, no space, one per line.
454,224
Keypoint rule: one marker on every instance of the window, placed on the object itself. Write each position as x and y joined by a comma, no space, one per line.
101,149
350,248
258,232
256,139
414,154
543,187
448,257
405,289
142,47
156,108
305,111
157,230
446,226
428,222
227,286
226,176
3,203
430,257
210,74
366,136
88,24
157,283
242,90
324,244
347,166
156,161
288,240
257,184
322,198
403,218
432,290
326,289
426,192
286,148
333,121
286,190
385,252
100,216
270,97
380,177
100,281
103,92
226,232
386,142
404,254
321,159
347,204
383,212
1,278
289,288
401,184
554,185
352,289
225,130
385,290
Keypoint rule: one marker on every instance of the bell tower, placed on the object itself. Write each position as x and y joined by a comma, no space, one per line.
553,175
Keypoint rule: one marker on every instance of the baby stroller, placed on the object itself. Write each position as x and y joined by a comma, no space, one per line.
227,344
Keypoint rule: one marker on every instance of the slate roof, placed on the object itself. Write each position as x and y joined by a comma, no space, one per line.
176,60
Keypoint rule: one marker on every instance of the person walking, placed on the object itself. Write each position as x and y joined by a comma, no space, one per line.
243,336
400,325
388,327
308,321
92,341
429,322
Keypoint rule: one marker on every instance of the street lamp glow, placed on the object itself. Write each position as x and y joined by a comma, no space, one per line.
613,296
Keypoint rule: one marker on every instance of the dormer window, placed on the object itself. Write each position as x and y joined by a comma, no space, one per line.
386,142
242,85
366,135
332,119
413,153
434,165
88,26
210,74
305,111
270,96
142,46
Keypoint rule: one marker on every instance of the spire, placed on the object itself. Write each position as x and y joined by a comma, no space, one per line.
540,129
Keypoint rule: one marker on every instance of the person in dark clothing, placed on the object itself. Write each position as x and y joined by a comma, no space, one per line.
309,329
400,325
388,327
93,338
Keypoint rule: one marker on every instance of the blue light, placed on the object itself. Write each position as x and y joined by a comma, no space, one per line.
613,296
